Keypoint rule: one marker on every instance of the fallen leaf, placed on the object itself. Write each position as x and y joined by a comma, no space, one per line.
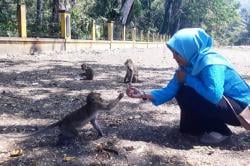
99,147
16,152
68,158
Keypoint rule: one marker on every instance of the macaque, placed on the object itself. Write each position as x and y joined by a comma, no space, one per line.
131,72
71,123
88,72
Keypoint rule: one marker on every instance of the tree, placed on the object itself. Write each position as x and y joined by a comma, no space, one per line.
220,18
245,36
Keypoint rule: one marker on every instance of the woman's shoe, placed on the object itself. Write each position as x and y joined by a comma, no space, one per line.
213,138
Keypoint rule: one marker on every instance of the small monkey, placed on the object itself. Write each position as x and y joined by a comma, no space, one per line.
70,124
88,72
131,72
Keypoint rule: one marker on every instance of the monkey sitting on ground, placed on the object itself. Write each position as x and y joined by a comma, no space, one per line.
70,124
88,72
131,72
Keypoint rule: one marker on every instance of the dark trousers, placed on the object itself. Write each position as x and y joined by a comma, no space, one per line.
198,115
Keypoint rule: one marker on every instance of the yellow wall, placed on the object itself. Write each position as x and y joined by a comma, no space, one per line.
39,45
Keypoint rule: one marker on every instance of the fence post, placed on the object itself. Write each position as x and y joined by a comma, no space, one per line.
93,36
110,30
141,35
134,34
22,23
124,33
65,24
166,37
148,36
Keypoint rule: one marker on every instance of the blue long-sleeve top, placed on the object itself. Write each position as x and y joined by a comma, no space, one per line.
212,83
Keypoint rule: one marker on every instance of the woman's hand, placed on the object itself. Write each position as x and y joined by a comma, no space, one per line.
134,92
181,74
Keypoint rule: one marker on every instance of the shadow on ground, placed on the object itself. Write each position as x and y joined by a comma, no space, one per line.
49,92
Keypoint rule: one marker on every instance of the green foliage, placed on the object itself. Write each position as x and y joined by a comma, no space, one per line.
157,14
150,16
244,37
81,20
220,18
8,18
108,9
137,8
47,28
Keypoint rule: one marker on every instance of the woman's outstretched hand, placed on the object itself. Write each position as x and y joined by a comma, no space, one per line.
134,92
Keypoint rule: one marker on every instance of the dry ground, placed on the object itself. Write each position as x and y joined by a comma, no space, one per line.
37,90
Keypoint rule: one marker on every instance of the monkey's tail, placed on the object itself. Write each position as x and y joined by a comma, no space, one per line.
37,132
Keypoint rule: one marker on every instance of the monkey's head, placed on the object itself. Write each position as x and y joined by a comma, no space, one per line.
84,66
128,61
129,64
94,97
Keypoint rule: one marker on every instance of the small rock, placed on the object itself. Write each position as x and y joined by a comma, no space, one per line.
137,117
130,118
129,148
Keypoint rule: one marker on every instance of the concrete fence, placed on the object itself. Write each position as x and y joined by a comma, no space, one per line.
26,45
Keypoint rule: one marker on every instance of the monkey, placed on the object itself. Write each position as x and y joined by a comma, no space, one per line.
70,124
131,72
88,72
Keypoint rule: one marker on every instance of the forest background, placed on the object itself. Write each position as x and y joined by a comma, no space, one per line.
228,21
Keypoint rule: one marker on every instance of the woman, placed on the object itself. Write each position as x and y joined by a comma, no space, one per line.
200,85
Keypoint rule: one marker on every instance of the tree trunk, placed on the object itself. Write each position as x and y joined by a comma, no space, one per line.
54,15
172,17
126,11
39,12
176,17
167,17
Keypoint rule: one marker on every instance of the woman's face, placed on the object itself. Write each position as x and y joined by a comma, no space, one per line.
181,61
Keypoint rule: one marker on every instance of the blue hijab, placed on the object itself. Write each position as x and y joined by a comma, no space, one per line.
195,46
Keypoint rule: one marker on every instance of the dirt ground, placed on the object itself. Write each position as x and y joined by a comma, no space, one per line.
37,90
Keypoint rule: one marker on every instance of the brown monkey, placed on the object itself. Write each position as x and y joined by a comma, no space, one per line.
70,124
131,72
88,72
